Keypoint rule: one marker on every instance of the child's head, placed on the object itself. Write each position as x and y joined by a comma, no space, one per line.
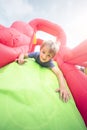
48,50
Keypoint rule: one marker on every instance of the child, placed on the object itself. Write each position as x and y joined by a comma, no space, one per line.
48,50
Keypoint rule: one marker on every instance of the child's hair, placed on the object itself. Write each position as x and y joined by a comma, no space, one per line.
53,46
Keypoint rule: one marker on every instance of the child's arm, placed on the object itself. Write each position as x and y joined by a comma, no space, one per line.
21,58
64,94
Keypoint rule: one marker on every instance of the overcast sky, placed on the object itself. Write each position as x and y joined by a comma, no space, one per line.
71,15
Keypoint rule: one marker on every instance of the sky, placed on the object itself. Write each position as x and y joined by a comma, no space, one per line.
71,15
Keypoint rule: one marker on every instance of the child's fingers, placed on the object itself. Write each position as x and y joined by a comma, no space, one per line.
16,60
25,60
20,61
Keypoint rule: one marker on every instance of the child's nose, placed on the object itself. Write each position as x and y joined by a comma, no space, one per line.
44,56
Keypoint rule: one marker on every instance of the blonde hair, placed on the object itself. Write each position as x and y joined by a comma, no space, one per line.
53,46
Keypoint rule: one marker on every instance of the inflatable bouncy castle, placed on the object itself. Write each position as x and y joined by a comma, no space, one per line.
27,92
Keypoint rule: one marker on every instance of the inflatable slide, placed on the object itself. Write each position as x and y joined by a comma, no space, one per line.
27,92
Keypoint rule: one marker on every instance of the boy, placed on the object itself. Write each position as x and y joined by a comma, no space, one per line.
48,50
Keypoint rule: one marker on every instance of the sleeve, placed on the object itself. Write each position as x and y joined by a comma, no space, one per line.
32,55
51,64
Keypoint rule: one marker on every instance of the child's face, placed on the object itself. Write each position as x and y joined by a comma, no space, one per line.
45,54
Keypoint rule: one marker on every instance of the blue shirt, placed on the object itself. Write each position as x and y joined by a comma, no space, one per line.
36,56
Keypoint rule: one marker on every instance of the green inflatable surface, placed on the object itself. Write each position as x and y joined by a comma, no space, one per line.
28,100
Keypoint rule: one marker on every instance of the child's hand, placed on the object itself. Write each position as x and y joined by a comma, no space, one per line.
20,61
64,94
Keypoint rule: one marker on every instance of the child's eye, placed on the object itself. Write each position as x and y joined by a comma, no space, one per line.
43,52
